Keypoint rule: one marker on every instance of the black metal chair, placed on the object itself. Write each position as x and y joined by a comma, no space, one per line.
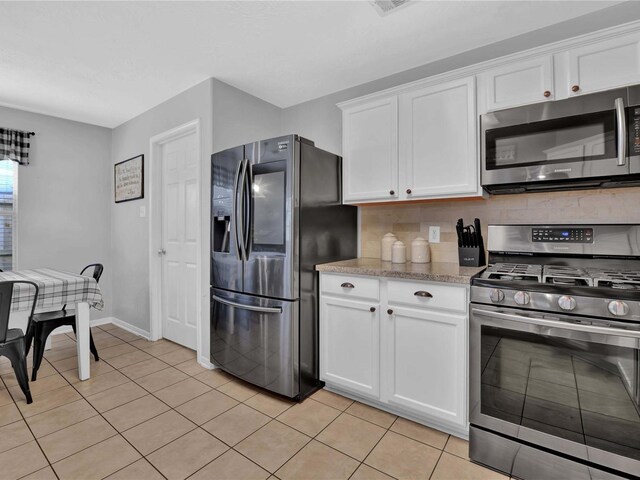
45,323
12,340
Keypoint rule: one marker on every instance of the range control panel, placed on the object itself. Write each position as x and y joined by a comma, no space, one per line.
564,235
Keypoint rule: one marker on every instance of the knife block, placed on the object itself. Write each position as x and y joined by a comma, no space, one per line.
471,256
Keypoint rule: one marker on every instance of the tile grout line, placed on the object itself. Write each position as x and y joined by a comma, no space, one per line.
118,433
200,427
34,437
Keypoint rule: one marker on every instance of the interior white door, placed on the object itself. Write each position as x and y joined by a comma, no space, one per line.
180,233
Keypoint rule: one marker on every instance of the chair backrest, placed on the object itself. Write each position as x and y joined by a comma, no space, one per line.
98,268
6,296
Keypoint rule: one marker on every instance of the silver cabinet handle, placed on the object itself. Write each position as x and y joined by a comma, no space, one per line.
162,251
253,308
622,131
347,285
422,293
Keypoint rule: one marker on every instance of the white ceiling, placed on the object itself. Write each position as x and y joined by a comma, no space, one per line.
106,62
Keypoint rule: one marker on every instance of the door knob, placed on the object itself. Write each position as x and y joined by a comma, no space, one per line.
389,312
162,251
575,88
547,93
372,309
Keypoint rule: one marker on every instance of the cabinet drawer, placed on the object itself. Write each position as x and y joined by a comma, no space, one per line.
350,286
429,295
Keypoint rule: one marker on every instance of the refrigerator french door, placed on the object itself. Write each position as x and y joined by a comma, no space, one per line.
276,213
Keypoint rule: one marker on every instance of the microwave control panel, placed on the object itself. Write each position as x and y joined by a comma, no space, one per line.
634,132
564,235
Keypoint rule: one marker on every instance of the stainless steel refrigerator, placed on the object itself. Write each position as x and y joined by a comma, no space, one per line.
276,213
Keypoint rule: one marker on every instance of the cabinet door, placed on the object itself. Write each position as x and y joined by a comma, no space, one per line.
604,65
424,361
519,83
370,151
349,345
438,136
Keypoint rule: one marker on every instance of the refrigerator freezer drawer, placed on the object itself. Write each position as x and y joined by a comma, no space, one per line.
256,339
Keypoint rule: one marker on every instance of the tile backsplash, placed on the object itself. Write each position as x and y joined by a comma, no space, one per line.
408,221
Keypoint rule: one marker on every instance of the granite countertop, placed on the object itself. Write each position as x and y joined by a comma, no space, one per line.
434,272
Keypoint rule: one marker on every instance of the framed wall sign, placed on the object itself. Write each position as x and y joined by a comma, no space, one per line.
129,179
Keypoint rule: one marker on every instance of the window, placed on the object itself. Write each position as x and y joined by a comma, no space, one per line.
8,181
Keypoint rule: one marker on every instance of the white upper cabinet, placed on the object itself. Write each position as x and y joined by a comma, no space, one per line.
603,65
420,140
424,136
518,83
370,151
437,140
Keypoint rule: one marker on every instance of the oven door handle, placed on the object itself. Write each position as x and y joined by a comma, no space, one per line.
621,120
253,308
557,324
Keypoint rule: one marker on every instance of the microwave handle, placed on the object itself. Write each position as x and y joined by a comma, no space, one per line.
622,131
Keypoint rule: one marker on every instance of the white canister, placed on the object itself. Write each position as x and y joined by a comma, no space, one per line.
420,251
399,253
386,245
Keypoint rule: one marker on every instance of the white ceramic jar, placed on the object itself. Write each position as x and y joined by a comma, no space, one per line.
399,253
420,251
386,245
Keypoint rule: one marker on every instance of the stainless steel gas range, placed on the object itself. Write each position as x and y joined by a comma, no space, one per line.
555,352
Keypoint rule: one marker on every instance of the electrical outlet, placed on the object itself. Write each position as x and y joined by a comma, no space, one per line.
434,234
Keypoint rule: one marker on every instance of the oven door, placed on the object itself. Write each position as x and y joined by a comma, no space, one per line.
564,383
578,138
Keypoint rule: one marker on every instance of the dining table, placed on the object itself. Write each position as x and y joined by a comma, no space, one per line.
56,289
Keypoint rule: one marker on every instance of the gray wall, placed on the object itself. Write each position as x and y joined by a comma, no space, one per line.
130,232
63,196
320,120
228,117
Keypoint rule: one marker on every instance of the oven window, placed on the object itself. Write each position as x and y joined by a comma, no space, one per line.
581,391
581,138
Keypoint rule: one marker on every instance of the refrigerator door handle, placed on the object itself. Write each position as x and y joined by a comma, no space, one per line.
248,211
239,210
235,209
253,308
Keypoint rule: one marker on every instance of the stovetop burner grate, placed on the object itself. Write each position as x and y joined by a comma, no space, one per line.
514,271
621,280
562,275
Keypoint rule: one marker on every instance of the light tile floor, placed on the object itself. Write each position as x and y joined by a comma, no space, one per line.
150,411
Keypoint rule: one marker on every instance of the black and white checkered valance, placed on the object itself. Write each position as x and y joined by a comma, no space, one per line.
14,145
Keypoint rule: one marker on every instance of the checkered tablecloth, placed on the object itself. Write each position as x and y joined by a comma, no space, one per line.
56,289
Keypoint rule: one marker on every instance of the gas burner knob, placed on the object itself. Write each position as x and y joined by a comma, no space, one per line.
566,302
496,295
521,298
618,308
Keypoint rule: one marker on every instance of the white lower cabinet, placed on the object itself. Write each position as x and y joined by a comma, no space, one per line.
406,354
423,362
349,352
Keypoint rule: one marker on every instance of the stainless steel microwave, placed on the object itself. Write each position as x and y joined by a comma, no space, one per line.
588,141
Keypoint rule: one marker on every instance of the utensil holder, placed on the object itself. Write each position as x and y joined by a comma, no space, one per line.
471,256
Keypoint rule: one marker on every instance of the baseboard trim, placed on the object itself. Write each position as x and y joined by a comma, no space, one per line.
131,328
206,363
